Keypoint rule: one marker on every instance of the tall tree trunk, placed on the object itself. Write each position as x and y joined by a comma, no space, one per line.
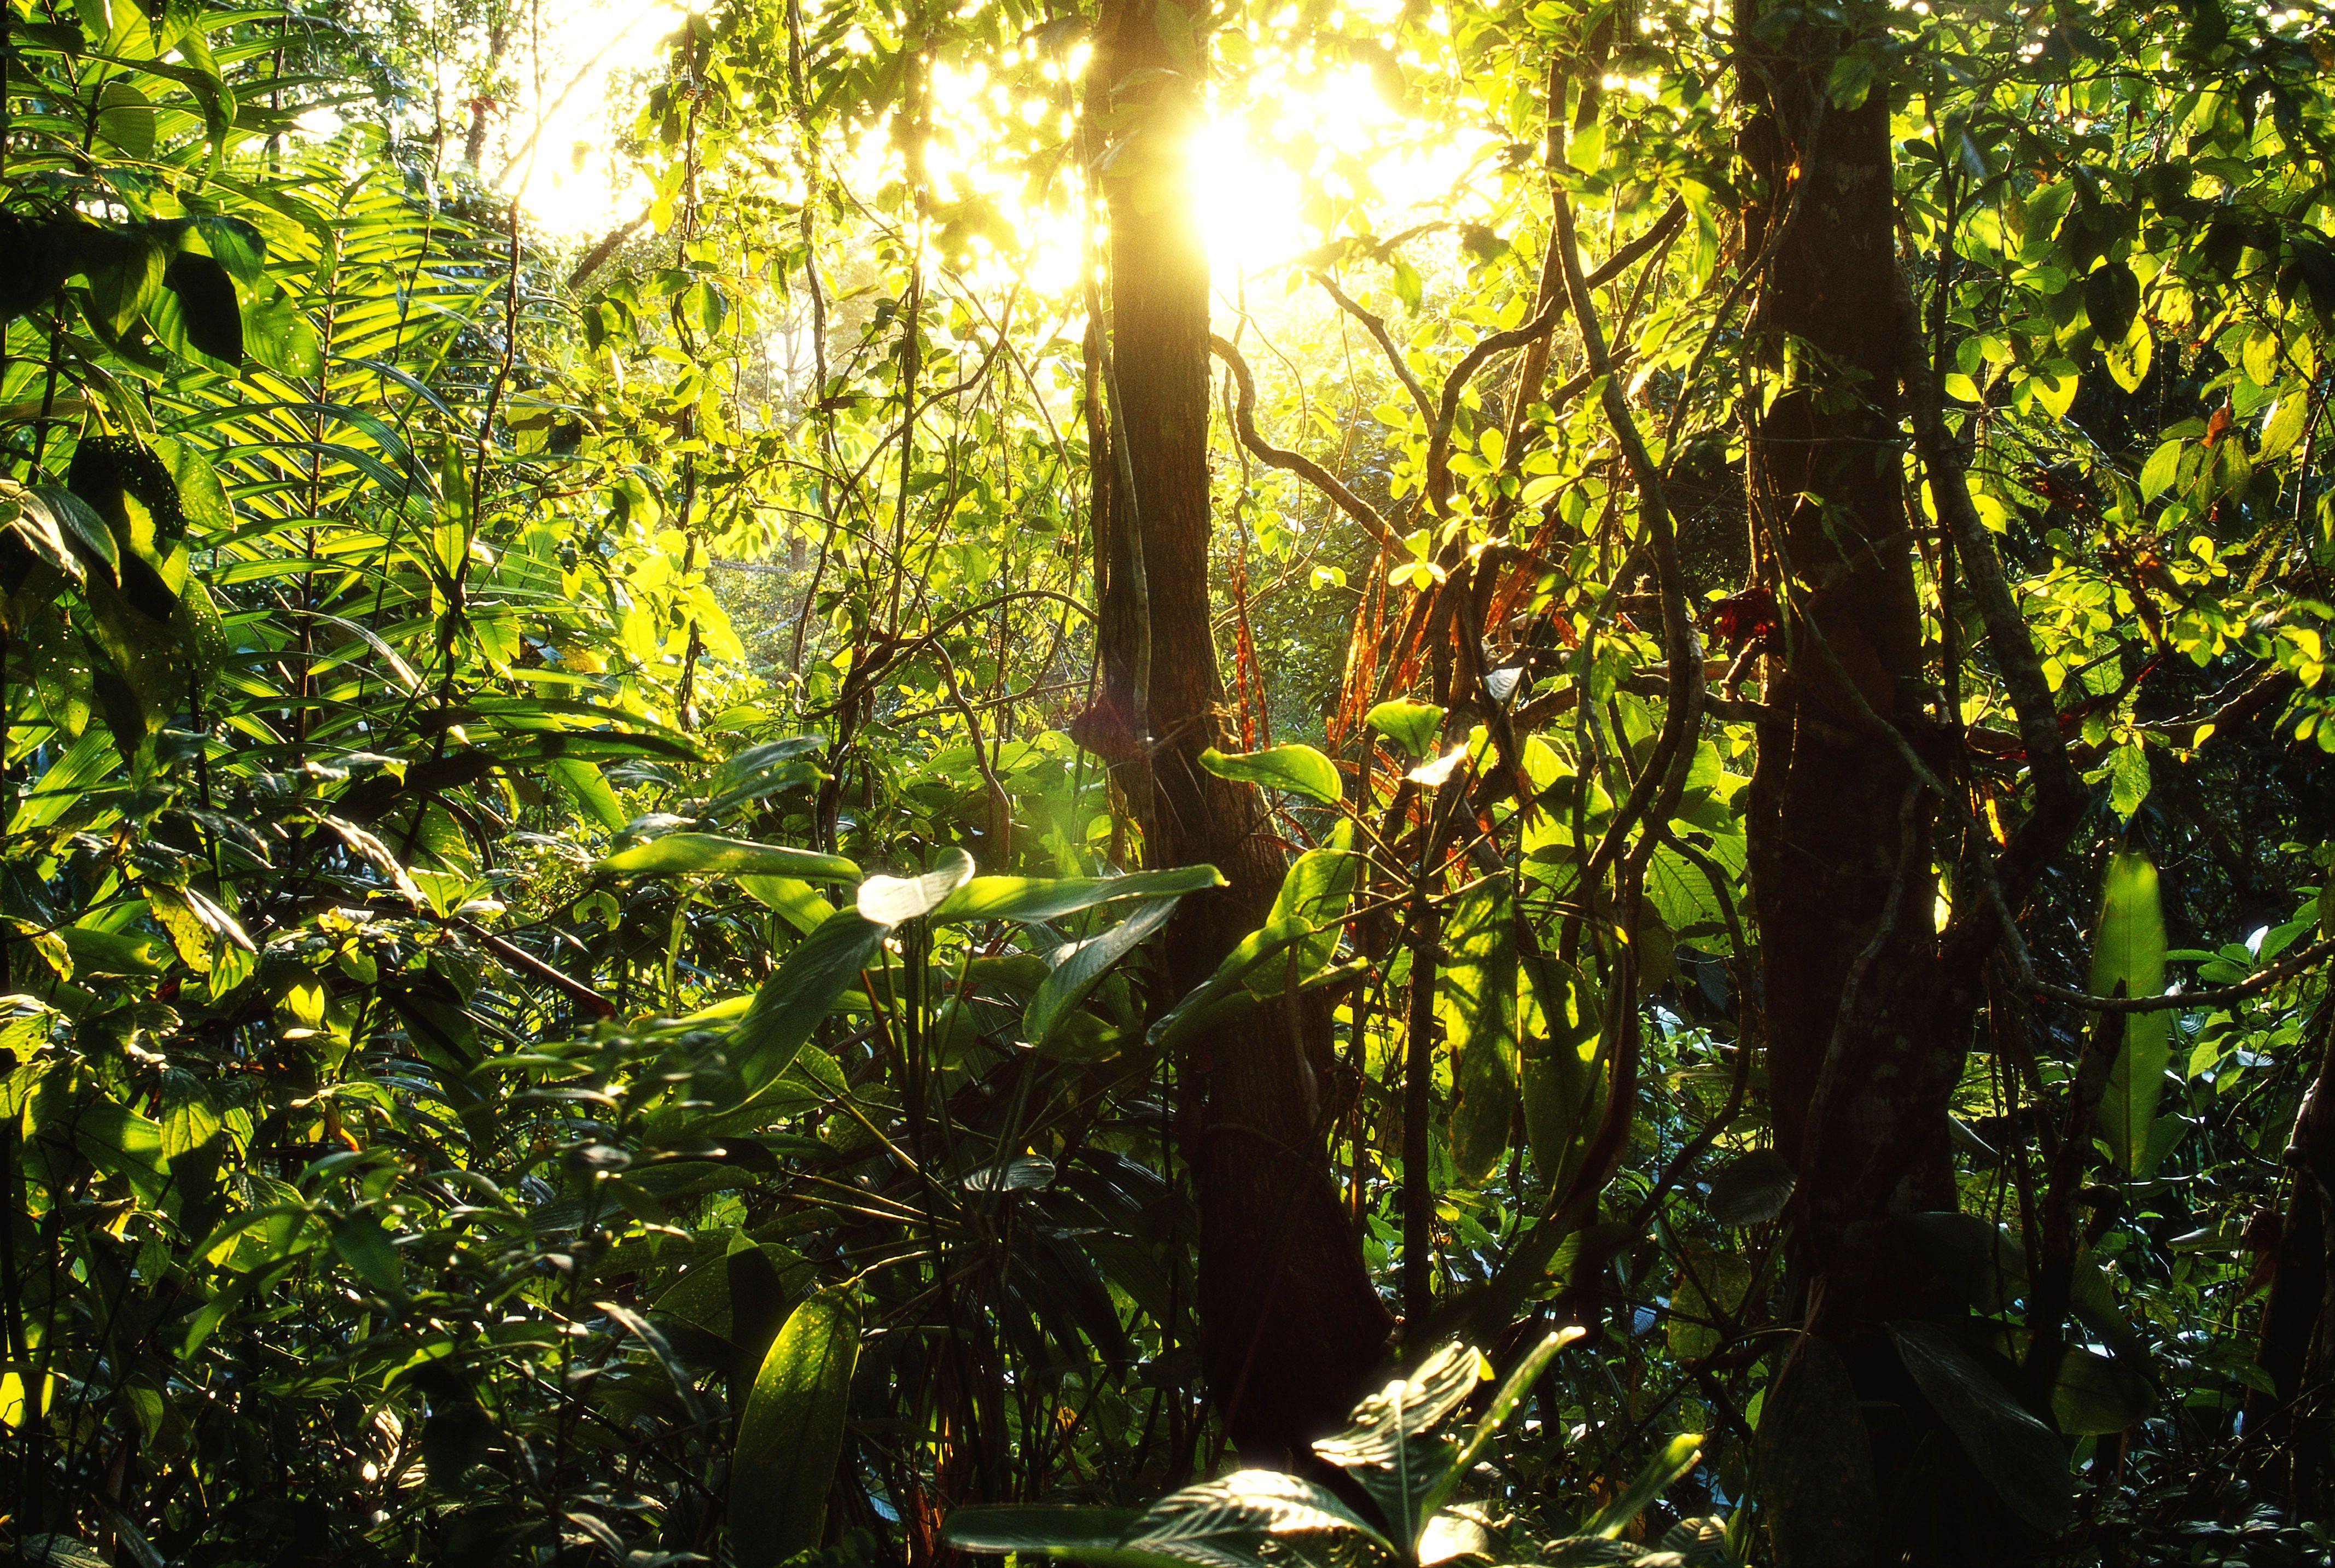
2287,1429
1862,1049
1291,1325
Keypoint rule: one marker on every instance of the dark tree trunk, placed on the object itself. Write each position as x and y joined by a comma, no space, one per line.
1865,1037
1291,1325
2288,1429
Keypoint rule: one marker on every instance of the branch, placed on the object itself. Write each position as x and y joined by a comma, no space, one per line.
2058,788
1304,467
1378,330
597,256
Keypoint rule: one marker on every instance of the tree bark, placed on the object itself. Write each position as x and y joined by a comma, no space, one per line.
1863,1049
2287,1429
1290,1324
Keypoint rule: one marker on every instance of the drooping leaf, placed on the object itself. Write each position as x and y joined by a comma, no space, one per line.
1975,1393
1751,1188
1390,1444
1039,898
1079,966
1300,770
894,900
1410,725
791,1434
1476,998
1814,1462
684,854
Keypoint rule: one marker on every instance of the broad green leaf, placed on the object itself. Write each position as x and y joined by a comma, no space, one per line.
1564,1094
1079,966
2097,1395
791,1434
1391,1445
1973,1392
894,900
2158,474
1813,1460
1039,898
1300,770
684,854
2130,953
2111,300
583,781
1217,1520
1476,998
1750,1189
1074,1534
1520,1380
1410,725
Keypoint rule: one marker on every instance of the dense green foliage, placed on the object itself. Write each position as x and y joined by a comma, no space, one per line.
569,992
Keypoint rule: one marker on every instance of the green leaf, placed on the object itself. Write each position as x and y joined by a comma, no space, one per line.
896,900
365,1247
2158,474
2128,780
1973,1392
765,770
1813,1461
1300,770
1078,966
1476,998
1676,1460
1410,725
683,854
1751,1188
279,335
126,120
1040,899
1391,1445
2112,299
1564,1094
582,780
2097,1395
1075,1535
1215,1520
1520,1380
790,1436
2130,953
797,998
209,320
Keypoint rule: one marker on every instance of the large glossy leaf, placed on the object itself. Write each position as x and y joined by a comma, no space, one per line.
684,854
791,1434
1975,1393
1079,966
799,996
1476,998
894,900
1300,770
1519,1382
1215,1522
1390,1444
2130,953
1037,898
2097,1395
1563,1093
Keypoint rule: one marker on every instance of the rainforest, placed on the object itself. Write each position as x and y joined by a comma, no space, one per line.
1167,783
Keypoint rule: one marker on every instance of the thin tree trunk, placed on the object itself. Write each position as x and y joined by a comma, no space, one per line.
1291,1325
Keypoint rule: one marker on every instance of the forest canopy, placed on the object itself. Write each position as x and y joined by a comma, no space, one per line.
1176,787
